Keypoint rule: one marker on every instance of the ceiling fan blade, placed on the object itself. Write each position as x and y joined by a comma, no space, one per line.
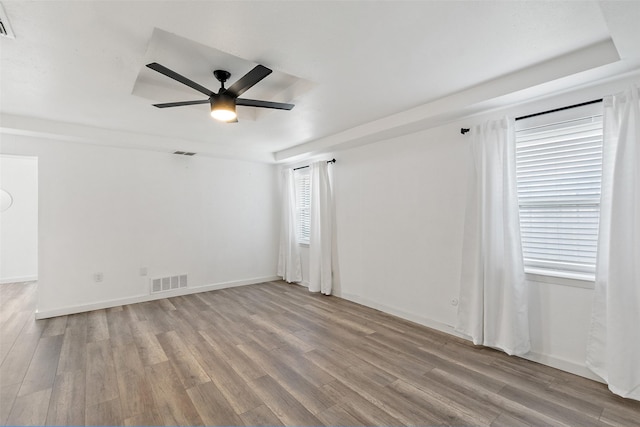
180,104
258,73
178,77
263,104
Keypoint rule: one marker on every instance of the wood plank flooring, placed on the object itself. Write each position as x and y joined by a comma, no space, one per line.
272,354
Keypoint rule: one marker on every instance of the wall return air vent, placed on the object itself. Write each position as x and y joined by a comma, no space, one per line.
168,283
5,27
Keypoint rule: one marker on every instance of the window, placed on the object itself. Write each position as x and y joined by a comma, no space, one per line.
559,170
303,200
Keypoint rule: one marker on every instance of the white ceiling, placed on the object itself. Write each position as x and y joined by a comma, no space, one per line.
73,66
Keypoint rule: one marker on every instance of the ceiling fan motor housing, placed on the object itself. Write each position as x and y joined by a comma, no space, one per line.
222,100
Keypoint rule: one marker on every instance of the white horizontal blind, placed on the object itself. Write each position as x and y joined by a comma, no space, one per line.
559,170
303,208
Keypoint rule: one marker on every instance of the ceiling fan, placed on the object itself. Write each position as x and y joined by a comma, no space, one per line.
223,104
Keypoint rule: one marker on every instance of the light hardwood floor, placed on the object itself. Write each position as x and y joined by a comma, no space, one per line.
271,354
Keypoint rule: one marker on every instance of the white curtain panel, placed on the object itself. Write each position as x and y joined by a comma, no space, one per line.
321,236
493,303
613,350
289,266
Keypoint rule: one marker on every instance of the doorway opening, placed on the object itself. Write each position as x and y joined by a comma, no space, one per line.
18,219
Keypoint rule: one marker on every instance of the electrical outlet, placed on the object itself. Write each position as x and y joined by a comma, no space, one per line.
97,277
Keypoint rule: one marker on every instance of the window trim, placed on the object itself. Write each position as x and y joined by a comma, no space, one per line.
559,279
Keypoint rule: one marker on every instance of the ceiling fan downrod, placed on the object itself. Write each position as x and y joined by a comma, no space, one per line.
222,76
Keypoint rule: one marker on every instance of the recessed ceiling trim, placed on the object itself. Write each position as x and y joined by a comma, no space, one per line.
71,132
462,104
203,64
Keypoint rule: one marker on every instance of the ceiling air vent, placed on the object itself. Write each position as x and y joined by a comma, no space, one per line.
5,27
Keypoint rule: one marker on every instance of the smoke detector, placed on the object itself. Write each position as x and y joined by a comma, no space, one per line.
5,27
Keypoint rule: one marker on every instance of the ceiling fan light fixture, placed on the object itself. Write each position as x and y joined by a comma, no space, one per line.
223,108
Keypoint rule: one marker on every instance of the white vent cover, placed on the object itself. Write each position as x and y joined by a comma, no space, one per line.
5,27
168,283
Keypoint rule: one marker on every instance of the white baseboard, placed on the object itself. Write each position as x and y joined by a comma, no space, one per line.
149,297
422,320
563,365
19,279
544,359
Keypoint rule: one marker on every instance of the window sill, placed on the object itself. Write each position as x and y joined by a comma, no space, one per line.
576,280
303,244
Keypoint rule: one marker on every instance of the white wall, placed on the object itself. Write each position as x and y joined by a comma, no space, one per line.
559,317
113,211
400,210
400,207
19,224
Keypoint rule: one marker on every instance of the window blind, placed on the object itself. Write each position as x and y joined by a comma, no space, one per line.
303,200
559,171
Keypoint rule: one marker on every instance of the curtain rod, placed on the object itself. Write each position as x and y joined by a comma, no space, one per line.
304,167
582,104
595,101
